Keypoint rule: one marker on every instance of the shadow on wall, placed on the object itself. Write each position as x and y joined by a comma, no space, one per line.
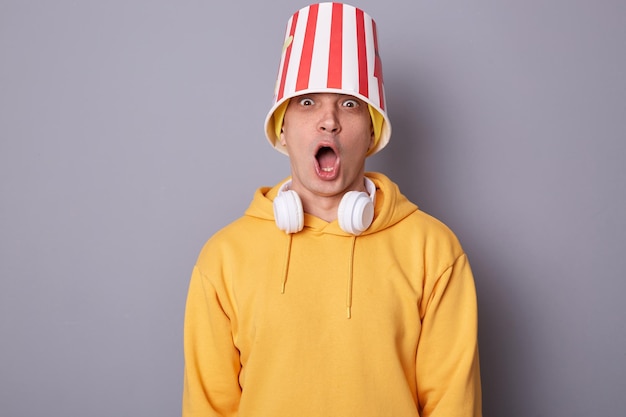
415,159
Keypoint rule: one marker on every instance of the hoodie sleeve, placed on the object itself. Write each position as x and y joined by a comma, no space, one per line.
211,385
448,374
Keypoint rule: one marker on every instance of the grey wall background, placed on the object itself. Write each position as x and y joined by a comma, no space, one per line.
130,131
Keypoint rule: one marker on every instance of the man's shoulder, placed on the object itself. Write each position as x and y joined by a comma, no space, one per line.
430,222
430,230
242,235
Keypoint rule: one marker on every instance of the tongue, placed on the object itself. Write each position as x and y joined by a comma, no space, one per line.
326,158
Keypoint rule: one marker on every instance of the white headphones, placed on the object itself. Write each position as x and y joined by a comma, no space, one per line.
355,212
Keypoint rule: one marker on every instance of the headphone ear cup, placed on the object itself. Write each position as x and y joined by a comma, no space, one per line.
288,212
356,212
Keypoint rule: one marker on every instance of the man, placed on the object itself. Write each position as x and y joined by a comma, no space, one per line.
333,295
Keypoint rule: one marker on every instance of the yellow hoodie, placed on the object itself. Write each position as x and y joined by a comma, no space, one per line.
322,323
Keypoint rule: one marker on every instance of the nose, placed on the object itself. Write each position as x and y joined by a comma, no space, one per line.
329,121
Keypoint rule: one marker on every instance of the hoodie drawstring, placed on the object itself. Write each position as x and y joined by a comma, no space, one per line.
286,265
350,279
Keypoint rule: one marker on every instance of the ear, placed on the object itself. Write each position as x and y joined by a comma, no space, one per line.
282,137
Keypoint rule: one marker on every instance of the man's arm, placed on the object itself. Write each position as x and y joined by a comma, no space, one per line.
211,385
448,373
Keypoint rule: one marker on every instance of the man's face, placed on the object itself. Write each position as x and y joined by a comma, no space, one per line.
327,136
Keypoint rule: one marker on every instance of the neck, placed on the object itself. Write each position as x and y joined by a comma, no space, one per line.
325,206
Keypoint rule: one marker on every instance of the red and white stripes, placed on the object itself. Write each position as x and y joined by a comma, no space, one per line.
331,47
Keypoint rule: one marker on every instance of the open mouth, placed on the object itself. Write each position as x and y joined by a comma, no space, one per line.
327,161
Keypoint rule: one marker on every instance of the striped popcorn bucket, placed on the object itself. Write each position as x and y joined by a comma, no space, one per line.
330,48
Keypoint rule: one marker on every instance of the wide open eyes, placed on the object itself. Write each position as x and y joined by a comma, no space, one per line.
348,102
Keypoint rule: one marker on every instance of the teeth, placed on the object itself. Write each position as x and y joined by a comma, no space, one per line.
327,169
